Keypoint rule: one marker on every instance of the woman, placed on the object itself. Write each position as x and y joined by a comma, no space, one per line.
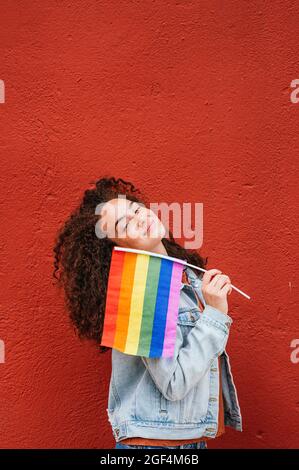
176,402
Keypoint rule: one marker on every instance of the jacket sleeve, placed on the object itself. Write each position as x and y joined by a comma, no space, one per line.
175,376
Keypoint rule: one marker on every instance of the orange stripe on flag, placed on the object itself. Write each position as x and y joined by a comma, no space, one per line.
113,290
125,301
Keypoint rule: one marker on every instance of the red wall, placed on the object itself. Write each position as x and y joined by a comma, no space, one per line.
191,101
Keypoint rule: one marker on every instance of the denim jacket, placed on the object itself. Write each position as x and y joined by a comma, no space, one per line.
177,397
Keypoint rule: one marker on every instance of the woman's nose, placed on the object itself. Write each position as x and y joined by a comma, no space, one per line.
141,220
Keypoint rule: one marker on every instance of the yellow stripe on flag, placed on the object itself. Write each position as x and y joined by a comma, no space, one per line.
137,300
124,302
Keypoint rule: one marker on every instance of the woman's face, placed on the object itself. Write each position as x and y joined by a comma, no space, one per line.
131,225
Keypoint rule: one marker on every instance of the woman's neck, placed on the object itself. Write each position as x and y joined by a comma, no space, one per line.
160,248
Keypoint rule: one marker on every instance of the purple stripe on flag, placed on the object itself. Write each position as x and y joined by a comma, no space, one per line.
173,309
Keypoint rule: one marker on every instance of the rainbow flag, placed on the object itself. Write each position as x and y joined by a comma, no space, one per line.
142,303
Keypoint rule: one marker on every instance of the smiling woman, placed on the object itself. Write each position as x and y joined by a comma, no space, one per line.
162,391
130,224
117,209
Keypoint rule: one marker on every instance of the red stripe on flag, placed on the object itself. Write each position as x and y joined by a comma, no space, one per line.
112,297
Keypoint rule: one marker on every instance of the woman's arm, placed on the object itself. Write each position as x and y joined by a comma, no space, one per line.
175,376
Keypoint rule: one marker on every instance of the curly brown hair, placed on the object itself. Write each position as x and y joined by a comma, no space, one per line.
82,259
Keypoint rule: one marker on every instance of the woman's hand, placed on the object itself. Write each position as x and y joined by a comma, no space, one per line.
215,287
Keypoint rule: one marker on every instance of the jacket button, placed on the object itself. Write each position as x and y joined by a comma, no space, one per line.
213,399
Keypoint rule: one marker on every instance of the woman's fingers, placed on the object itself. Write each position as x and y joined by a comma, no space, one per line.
206,279
215,287
219,280
226,289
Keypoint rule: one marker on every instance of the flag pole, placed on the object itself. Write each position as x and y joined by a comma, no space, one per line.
233,287
177,260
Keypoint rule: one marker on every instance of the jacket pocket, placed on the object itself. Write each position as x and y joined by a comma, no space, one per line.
146,399
194,406
114,401
163,404
196,402
168,410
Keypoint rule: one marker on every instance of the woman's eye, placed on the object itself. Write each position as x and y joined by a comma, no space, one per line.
129,221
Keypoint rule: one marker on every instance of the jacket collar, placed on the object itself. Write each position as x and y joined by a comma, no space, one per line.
193,278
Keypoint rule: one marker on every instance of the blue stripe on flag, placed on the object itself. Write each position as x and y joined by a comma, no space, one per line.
161,307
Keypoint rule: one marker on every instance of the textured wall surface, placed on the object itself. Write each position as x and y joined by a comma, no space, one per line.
191,101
